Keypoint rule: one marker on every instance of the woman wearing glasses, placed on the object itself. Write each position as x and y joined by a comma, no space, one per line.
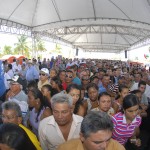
69,77
43,79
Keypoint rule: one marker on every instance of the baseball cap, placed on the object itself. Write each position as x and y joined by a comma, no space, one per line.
45,70
16,80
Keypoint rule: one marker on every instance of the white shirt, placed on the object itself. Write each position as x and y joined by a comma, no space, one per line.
6,82
51,136
16,68
10,73
147,90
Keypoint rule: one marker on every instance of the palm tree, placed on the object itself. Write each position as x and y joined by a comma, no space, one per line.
7,50
21,46
40,46
57,49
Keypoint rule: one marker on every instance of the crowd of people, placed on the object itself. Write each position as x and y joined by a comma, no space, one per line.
64,104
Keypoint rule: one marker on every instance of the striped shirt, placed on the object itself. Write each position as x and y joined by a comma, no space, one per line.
114,88
122,131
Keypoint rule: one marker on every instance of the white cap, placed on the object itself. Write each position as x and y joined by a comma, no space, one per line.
45,70
15,78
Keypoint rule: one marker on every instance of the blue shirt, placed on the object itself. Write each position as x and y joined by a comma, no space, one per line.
2,85
77,81
116,80
32,73
101,88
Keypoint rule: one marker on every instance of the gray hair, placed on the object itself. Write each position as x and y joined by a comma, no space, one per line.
95,121
10,105
61,98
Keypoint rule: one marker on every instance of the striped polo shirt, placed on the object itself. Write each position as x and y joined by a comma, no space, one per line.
122,131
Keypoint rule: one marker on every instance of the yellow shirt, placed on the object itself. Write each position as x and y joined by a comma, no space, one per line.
32,137
76,144
40,84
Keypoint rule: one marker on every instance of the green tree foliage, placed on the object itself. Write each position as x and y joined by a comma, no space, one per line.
57,49
22,46
7,50
40,46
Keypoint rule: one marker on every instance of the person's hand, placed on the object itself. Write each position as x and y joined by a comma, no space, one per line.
144,107
10,94
138,142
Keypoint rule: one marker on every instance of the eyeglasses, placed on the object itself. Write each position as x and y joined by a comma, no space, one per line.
85,79
42,74
68,76
7,117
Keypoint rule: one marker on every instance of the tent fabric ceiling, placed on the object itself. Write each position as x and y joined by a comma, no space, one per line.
94,25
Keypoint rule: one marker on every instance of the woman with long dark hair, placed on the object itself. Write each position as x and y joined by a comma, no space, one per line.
56,84
40,109
117,103
127,122
48,92
74,91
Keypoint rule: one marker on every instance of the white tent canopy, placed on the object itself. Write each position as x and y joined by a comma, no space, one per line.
94,25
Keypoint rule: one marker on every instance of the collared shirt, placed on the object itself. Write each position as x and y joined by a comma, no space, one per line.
101,88
21,99
76,144
135,87
10,73
16,68
51,136
21,96
6,78
144,100
122,130
32,73
114,88
40,84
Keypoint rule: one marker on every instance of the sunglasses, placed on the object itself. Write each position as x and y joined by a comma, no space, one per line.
42,74
68,76
86,79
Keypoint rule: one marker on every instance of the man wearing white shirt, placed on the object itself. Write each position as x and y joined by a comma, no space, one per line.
10,71
16,67
6,80
62,126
